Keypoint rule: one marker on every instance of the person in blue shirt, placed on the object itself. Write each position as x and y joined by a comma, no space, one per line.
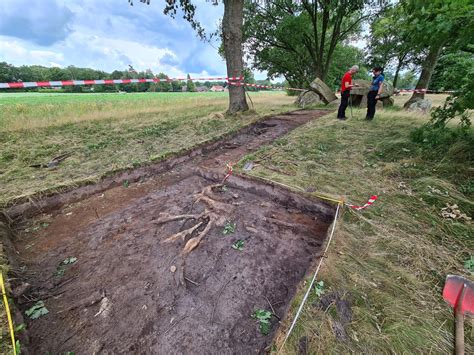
374,92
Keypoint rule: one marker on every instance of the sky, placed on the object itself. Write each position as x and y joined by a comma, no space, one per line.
108,35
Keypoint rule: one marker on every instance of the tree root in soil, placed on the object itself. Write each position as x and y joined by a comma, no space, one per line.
214,215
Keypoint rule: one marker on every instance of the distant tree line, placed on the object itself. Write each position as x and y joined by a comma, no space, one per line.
11,73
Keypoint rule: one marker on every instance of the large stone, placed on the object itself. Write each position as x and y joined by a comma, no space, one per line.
326,94
420,105
364,86
388,101
387,90
307,98
362,89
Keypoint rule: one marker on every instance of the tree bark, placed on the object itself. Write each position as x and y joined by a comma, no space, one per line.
232,38
426,73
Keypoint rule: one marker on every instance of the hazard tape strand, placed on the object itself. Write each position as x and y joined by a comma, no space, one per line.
236,81
59,83
230,170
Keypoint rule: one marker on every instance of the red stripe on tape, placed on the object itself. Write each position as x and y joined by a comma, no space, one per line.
372,199
229,172
15,85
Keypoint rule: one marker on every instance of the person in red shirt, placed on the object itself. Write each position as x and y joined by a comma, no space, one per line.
346,87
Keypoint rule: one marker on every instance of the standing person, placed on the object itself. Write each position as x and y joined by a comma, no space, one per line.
374,92
346,87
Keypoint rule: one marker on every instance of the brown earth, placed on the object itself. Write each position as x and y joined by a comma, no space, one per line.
123,293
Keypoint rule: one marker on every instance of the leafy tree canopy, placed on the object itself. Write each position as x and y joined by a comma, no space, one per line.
299,39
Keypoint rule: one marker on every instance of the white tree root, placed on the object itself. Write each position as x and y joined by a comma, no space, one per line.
214,213
189,247
170,218
183,234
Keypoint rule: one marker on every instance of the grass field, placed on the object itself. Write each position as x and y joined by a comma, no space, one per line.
22,111
390,261
106,133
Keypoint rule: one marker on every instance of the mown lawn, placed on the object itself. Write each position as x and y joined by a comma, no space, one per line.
107,133
388,263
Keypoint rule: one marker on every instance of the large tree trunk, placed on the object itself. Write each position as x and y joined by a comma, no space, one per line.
232,38
426,73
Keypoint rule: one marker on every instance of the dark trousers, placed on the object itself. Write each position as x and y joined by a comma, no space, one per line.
341,113
371,103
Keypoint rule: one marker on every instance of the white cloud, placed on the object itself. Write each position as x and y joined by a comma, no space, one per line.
110,35
20,53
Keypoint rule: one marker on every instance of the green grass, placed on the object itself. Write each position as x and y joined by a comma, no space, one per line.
21,111
390,260
107,133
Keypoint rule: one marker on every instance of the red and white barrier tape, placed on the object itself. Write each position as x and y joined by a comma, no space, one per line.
230,170
421,91
371,201
236,81
58,83
265,86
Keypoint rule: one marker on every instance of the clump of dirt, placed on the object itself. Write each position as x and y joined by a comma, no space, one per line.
342,302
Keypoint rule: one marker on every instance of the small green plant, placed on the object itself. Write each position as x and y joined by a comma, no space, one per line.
238,245
229,228
469,264
70,260
18,347
37,227
37,310
126,183
263,316
59,271
319,288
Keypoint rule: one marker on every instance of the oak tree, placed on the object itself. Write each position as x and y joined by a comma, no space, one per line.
231,38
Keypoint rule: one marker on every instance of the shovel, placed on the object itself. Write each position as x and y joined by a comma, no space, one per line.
459,293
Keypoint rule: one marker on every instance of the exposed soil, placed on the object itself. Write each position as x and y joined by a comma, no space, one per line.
124,293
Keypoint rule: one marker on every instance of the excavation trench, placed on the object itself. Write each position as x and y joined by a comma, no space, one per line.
130,286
